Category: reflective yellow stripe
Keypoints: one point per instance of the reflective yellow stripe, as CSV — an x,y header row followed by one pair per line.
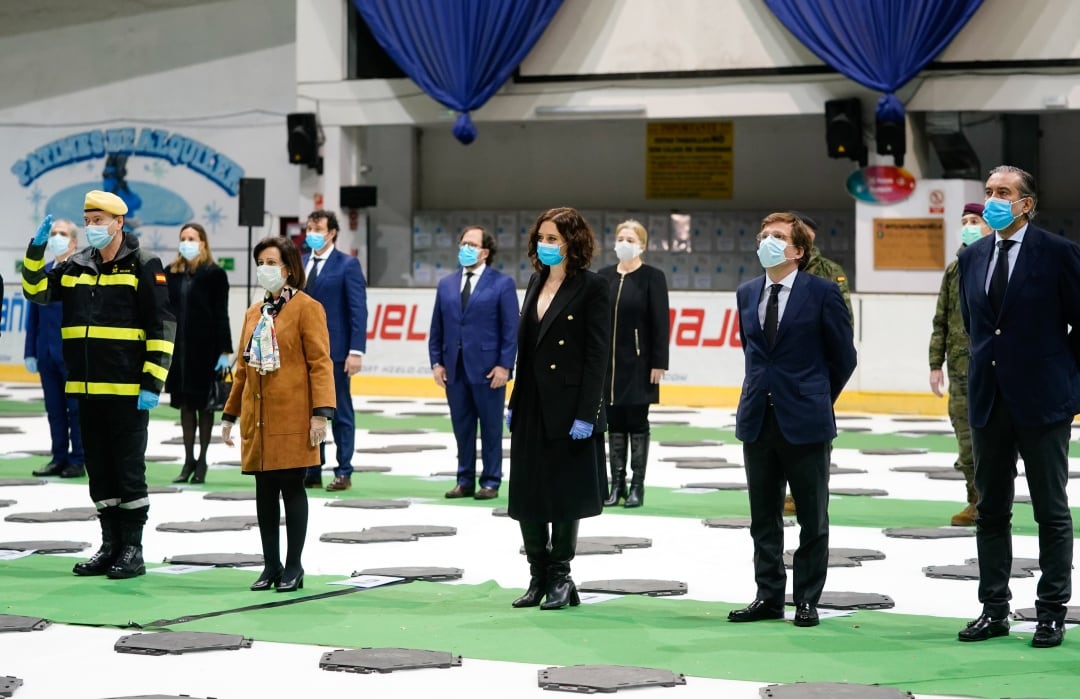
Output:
x,y
158,372
35,289
101,332
159,346
71,280
102,389
119,280
33,265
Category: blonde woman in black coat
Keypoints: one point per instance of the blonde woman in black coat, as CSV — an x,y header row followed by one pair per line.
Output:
x,y
638,360
556,414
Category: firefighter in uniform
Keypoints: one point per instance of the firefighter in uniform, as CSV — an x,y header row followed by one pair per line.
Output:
x,y
117,332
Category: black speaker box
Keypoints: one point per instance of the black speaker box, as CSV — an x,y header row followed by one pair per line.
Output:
x,y
357,197
252,201
303,138
891,139
843,129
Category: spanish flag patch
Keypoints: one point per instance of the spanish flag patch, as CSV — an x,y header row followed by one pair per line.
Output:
x,y
159,277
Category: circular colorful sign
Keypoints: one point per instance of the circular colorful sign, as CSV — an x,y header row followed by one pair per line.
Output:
x,y
881,184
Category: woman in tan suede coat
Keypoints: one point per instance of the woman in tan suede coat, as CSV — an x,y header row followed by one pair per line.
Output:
x,y
283,395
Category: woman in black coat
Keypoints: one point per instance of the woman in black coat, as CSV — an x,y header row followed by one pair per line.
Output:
x,y
639,358
556,413
199,295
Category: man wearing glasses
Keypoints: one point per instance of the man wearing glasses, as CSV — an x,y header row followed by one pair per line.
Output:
x,y
472,345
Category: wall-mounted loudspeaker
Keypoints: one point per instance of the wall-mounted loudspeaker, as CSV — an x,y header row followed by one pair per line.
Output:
x,y
303,139
252,201
843,129
357,197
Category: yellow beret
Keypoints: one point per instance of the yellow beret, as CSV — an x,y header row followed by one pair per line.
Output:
x,y
97,200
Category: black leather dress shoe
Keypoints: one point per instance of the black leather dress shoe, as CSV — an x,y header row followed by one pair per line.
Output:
x,y
291,580
983,628
53,468
806,615
459,491
758,610
73,471
1048,634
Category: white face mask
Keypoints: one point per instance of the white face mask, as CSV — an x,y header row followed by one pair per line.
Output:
x,y
626,251
270,278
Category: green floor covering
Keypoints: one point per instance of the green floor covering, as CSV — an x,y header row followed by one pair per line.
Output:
x,y
913,653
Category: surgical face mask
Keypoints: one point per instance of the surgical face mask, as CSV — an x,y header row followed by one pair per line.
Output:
x,y
998,212
270,278
189,249
549,254
98,236
770,252
969,234
58,244
315,241
626,251
468,255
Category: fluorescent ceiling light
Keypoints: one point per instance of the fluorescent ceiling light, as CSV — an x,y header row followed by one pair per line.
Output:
x,y
590,110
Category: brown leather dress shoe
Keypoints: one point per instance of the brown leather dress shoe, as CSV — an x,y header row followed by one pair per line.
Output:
x,y
789,506
340,483
486,494
459,491
964,518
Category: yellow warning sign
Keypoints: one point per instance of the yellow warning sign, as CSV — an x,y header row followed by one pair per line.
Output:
x,y
689,160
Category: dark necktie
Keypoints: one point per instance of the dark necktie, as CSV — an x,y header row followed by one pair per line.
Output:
x,y
314,273
466,290
772,314
1000,279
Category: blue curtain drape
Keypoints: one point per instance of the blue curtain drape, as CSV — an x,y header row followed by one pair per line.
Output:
x,y
880,44
460,52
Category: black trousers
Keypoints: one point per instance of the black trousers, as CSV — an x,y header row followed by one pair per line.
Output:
x,y
1045,449
114,440
770,462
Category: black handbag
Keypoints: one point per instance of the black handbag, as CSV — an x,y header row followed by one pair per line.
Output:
x,y
220,388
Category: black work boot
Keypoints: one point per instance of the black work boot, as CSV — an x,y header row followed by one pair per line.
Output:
x,y
102,560
639,457
129,563
560,590
617,458
536,539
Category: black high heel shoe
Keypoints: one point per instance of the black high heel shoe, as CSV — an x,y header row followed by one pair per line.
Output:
x,y
185,473
291,581
200,472
267,581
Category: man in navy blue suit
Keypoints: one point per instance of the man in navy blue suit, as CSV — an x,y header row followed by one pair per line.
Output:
x,y
1019,294
799,350
336,280
472,345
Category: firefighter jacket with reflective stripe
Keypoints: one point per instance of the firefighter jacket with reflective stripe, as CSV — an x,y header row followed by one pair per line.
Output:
x,y
117,327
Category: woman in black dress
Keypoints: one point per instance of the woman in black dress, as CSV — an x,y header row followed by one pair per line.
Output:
x,y
639,358
199,295
556,412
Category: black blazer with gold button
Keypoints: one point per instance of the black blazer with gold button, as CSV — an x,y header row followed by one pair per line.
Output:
x,y
566,364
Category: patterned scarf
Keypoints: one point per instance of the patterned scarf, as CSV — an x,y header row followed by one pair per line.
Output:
x,y
262,350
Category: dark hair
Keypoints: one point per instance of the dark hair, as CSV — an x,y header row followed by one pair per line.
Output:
x,y
487,241
580,242
1027,186
800,234
330,216
290,256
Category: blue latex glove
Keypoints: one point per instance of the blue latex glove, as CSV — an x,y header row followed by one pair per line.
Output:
x,y
222,363
509,414
581,430
147,400
31,364
42,235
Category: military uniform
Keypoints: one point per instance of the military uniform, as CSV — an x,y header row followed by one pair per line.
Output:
x,y
823,267
949,344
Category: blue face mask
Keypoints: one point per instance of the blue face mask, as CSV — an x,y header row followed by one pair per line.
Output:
x,y
549,254
189,249
315,241
98,236
969,234
58,244
468,256
998,212
770,252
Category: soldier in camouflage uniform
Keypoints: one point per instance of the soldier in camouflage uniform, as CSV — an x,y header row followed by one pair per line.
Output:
x,y
949,344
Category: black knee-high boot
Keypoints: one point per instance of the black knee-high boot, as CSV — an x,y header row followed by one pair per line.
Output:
x,y
537,540
617,458
639,457
560,590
